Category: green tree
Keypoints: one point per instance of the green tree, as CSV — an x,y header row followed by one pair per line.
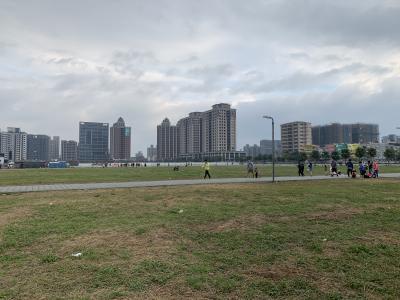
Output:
x,y
325,155
397,155
335,155
303,156
345,153
371,152
315,155
390,154
360,152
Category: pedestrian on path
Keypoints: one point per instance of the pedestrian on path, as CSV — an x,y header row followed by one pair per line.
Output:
x,y
376,169
334,170
206,167
350,168
250,169
300,167
310,167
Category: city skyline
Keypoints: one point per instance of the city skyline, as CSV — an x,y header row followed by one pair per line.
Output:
x,y
321,61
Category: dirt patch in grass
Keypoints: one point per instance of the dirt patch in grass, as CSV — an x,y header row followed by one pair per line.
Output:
x,y
335,214
14,215
160,241
380,237
241,223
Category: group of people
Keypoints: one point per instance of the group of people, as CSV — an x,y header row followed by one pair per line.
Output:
x,y
367,169
252,170
301,166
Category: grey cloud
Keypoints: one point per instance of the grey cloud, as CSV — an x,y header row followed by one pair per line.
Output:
x,y
94,57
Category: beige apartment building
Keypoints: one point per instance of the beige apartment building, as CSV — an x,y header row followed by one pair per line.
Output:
x,y
219,129
295,136
201,134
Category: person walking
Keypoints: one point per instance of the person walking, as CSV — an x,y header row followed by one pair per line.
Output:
x,y
370,167
206,167
300,167
334,170
250,169
362,169
376,169
310,167
350,168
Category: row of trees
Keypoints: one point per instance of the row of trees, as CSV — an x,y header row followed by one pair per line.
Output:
x,y
361,153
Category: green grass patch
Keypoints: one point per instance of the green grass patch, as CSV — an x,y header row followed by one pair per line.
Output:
x,y
85,175
314,240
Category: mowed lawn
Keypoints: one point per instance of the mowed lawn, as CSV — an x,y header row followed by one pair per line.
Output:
x,y
84,175
318,240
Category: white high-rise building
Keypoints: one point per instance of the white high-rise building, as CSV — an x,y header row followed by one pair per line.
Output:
x,y
13,144
54,148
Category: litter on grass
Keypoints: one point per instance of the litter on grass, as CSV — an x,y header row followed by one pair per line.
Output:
x,y
78,254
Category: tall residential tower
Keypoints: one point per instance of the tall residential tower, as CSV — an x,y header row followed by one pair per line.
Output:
x,y
120,141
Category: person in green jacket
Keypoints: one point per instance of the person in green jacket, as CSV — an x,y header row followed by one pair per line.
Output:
x,y
206,167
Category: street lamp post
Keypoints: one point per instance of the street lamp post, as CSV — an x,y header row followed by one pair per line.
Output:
x,y
273,146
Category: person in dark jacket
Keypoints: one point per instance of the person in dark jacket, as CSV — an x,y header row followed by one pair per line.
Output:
x,y
350,168
300,166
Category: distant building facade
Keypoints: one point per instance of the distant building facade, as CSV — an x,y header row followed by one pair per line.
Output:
x,y
93,142
120,140
266,147
219,129
69,151
391,139
252,151
337,133
211,133
54,148
13,144
295,136
167,141
38,147
152,153
140,157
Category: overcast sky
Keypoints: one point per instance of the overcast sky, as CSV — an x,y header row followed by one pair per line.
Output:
x,y
62,62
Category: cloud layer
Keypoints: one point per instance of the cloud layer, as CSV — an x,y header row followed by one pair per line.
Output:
x,y
62,62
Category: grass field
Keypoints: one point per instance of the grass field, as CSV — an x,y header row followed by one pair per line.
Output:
x,y
84,175
317,240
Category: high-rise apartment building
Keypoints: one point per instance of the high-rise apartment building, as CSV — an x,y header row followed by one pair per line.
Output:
x,y
13,144
167,141
151,153
363,133
295,136
69,151
219,129
337,133
202,134
54,148
38,147
93,142
120,140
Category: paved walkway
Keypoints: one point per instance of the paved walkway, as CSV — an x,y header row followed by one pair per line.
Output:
x,y
133,184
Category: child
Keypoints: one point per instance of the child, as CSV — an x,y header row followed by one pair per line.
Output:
x,y
256,172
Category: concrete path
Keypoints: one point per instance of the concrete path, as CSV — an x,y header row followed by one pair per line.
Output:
x,y
133,184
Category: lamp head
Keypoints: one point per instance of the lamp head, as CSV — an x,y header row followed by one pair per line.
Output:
x,y
267,117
